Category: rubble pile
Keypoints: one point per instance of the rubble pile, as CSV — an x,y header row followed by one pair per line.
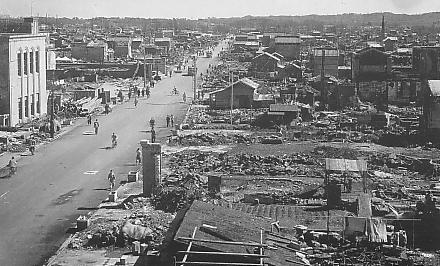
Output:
x,y
244,164
211,138
170,198
138,220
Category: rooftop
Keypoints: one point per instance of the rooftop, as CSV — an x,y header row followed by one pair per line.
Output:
x,y
434,86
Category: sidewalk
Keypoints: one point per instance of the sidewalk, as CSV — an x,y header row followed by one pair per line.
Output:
x,y
6,156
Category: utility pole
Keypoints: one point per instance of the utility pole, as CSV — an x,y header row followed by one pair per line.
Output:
x,y
195,79
52,109
145,71
323,88
231,74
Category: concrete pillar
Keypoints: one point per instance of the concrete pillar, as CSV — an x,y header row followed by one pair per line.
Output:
x,y
150,166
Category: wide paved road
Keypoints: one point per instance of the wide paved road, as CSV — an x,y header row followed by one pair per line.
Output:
x,y
69,175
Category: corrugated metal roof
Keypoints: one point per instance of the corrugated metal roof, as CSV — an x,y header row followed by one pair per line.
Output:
x,y
288,39
345,165
434,86
283,108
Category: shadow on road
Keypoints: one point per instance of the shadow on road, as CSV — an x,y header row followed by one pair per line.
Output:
x,y
100,189
87,208
106,148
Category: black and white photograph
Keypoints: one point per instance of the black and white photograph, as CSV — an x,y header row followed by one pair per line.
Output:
x,y
219,132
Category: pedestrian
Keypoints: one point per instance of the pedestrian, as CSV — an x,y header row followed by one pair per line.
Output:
x,y
129,94
32,146
111,178
168,120
121,97
96,126
143,92
12,165
172,120
153,135
89,119
184,97
139,93
135,101
138,156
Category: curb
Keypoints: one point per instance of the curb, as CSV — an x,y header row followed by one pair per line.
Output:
x,y
62,248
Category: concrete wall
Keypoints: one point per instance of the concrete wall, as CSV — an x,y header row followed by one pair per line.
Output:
x,y
27,92
4,76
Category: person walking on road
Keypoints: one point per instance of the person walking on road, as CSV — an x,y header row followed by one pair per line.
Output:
x,y
153,135
89,119
96,126
135,101
184,97
168,120
172,120
32,146
138,156
111,178
12,165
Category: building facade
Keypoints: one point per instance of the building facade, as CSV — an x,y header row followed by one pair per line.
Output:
x,y
329,58
288,46
22,78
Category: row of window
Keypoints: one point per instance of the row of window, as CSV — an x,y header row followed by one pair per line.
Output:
x,y
28,65
34,106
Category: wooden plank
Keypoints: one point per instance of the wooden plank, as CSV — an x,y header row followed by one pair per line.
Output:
x,y
189,245
223,242
222,253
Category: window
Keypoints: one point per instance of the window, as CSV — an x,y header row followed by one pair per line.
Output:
x,y
20,108
31,62
19,63
25,63
26,106
38,103
37,61
33,105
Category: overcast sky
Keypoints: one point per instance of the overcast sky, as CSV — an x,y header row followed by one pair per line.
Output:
x,y
209,8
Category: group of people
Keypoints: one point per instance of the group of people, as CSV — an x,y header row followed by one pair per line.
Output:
x,y
170,120
95,123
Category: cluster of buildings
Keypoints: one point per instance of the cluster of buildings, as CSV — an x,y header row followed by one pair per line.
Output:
x,y
345,66
36,57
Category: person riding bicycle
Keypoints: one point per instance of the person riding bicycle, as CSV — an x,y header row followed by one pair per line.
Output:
x,y
175,90
114,140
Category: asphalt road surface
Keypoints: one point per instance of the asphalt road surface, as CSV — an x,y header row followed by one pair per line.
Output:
x,y
68,177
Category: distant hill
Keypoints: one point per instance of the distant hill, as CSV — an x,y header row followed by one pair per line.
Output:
x,y
350,19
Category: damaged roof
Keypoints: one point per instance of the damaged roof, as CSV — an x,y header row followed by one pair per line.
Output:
x,y
230,225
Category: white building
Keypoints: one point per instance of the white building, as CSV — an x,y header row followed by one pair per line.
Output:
x,y
22,77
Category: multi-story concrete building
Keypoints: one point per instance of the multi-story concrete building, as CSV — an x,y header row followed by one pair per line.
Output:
x,y
327,58
22,77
